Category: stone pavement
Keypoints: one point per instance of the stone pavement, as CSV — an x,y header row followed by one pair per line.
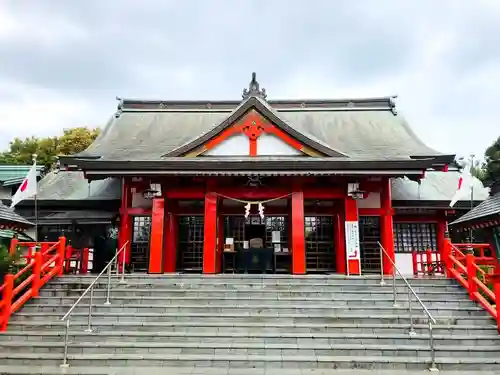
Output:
x,y
28,370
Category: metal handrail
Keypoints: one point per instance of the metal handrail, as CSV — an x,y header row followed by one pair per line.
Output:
x,y
90,289
411,291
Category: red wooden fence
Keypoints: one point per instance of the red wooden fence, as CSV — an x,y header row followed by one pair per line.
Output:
x,y
475,271
44,261
427,263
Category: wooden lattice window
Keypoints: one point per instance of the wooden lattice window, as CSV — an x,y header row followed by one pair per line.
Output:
x,y
277,224
410,237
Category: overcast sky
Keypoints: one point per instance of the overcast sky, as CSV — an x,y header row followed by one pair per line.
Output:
x,y
62,63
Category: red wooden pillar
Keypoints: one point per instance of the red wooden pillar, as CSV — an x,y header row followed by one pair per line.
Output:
x,y
352,248
440,235
298,234
13,246
386,226
125,233
171,226
210,234
220,241
447,250
339,232
156,242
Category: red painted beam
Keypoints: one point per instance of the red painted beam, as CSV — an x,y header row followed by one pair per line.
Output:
x,y
259,193
415,219
137,211
186,193
370,212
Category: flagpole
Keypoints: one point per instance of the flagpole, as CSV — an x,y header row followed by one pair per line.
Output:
x,y
471,193
36,201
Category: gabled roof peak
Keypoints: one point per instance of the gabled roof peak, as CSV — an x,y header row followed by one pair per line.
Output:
x,y
254,89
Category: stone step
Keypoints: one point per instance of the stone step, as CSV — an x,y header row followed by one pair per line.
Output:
x,y
311,348
243,301
248,329
252,337
249,361
57,370
251,293
224,319
332,287
157,311
233,277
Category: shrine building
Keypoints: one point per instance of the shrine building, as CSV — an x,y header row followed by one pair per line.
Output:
x,y
318,183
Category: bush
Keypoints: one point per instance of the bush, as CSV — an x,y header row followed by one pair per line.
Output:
x,y
9,263
12,263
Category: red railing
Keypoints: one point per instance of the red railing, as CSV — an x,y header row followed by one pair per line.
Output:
x,y
40,266
474,270
427,263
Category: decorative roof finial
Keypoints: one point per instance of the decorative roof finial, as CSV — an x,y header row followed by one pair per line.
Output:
x,y
119,108
254,89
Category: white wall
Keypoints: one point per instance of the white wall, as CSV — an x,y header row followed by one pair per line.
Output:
x,y
236,145
372,201
405,264
270,145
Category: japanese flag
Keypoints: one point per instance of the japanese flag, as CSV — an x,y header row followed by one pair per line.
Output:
x,y
464,186
27,188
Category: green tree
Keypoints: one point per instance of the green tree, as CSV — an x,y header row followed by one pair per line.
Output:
x,y
492,163
72,141
478,170
76,140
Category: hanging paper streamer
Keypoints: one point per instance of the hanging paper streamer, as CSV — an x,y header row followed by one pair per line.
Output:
x,y
248,204
261,211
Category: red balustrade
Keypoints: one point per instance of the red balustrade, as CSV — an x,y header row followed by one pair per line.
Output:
x,y
427,263
42,262
470,265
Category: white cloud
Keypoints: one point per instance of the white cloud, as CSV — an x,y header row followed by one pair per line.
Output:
x,y
29,27
41,112
64,62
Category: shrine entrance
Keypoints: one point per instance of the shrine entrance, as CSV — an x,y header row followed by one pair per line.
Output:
x,y
369,237
320,251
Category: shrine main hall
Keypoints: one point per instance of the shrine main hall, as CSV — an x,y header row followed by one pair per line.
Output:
x,y
291,186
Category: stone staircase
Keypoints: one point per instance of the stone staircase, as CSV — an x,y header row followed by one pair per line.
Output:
x,y
252,321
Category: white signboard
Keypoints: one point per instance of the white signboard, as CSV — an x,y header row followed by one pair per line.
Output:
x,y
352,240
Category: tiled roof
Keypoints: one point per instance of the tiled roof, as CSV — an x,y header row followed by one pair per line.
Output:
x,y
369,129
15,174
435,186
74,186
490,207
8,216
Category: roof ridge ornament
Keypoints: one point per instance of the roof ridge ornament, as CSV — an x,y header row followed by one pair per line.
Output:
x,y
392,104
254,89
119,107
